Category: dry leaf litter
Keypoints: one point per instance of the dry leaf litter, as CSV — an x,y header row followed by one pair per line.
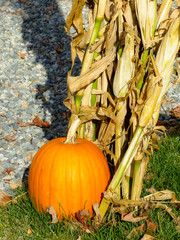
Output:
x,y
35,58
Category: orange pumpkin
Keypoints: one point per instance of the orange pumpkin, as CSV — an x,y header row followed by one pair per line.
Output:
x,y
70,177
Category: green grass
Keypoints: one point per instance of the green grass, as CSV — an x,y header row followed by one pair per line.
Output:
x,y
163,173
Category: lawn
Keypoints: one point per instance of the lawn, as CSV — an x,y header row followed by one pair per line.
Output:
x,y
19,220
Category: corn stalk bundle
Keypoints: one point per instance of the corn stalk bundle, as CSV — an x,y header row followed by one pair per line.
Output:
x,y
127,54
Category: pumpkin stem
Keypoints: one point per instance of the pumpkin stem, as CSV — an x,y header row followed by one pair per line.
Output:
x,y
72,132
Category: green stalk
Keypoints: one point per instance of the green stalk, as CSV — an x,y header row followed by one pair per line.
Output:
x,y
93,102
89,57
96,29
144,57
137,164
118,176
126,160
95,83
118,128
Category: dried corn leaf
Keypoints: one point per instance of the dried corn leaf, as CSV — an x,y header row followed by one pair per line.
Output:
x,y
52,212
75,16
128,15
161,196
108,134
136,231
163,11
77,83
130,218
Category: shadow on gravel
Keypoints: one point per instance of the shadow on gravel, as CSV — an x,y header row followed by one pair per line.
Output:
x,y
43,31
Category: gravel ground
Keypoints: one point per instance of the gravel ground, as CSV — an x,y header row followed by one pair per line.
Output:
x,y
34,60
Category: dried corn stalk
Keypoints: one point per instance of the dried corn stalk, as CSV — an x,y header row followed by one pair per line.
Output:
x,y
127,56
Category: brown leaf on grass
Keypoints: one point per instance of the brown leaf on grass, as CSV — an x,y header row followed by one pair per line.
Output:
x,y
151,190
7,199
151,227
14,185
52,212
178,225
161,195
130,218
136,231
22,56
29,231
147,237
82,215
4,198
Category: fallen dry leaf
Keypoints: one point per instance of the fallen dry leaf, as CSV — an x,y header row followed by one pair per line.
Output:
x,y
29,231
14,185
5,171
3,115
29,158
130,218
147,237
52,212
9,138
151,190
25,105
8,170
22,56
4,198
151,227
50,8
36,122
96,209
57,49
178,224
39,123
18,12
82,215
175,112
136,231
48,16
